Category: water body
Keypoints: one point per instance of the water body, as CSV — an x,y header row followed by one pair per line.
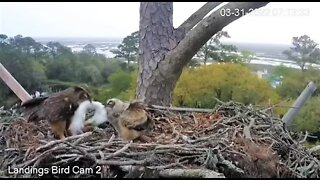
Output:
x,y
265,54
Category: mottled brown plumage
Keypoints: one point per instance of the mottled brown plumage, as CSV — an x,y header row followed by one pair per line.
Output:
x,y
57,108
129,119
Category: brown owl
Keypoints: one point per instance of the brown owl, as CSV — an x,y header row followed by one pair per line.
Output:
x,y
57,109
129,119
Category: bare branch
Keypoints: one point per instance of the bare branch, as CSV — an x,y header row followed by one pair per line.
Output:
x,y
197,16
199,35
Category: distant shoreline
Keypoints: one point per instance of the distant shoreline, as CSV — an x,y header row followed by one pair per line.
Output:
x,y
266,53
119,39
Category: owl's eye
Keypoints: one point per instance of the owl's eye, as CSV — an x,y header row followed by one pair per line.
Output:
x,y
110,103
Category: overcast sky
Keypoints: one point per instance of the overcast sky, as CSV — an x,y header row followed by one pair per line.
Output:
x,y
119,19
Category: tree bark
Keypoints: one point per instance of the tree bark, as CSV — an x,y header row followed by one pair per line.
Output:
x,y
196,17
164,51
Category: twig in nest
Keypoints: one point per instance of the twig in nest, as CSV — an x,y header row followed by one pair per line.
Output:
x,y
190,173
218,122
119,151
183,109
101,154
246,129
104,171
38,157
229,164
63,140
111,138
27,154
221,134
174,131
305,138
196,123
167,166
84,152
122,163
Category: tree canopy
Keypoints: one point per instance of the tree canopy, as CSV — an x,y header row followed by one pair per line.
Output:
x,y
304,51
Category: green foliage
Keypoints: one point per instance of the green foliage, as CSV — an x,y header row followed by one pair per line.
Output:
x,y
102,93
129,47
90,49
60,68
209,49
122,85
198,87
119,81
309,145
247,55
294,82
21,57
194,62
38,67
130,93
304,51
19,61
112,66
282,108
308,116
219,52
282,71
91,74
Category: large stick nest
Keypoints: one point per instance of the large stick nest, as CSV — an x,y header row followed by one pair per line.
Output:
x,y
232,141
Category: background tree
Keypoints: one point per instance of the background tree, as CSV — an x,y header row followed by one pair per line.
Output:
x,y
220,52
199,87
128,49
212,48
304,51
165,50
54,66
20,57
308,118
89,48
247,55
295,81
119,84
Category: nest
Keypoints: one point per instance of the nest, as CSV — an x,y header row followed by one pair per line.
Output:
x,y
231,141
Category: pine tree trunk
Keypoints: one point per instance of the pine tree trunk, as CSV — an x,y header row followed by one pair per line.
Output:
x,y
164,50
156,38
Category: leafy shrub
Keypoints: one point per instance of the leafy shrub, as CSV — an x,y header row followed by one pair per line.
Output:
x,y
199,86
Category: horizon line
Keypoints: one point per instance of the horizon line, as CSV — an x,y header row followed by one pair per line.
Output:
x,y
106,37
121,38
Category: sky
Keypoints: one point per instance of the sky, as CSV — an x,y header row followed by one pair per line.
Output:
x,y
275,23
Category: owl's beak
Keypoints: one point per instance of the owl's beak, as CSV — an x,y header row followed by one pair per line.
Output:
x,y
88,97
